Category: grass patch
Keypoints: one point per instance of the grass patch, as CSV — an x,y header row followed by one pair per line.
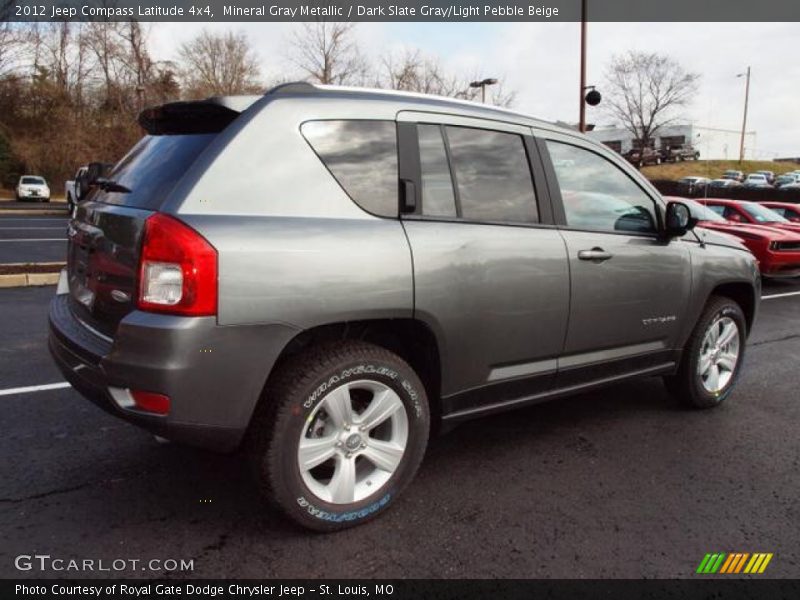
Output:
x,y
713,169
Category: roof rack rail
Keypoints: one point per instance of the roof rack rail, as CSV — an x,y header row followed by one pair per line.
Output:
x,y
292,87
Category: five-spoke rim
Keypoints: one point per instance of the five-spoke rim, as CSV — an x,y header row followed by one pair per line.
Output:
x,y
719,354
353,442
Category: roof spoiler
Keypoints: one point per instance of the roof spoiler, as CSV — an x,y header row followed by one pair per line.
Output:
x,y
175,118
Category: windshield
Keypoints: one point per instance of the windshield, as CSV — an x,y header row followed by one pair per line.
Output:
x,y
702,213
756,177
32,181
762,214
152,168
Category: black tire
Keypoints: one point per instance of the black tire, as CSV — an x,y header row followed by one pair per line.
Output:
x,y
687,384
285,411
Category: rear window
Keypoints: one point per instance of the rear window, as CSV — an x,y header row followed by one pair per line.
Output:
x,y
152,168
362,156
32,181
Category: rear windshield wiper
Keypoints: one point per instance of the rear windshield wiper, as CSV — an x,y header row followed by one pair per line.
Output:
x,y
108,185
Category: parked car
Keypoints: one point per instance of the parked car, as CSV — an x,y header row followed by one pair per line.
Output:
x,y
724,183
786,179
770,175
777,250
257,289
680,153
749,212
641,157
735,175
71,189
693,186
32,187
787,210
756,180
86,177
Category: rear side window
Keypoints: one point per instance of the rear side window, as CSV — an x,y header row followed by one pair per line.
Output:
x,y
438,199
492,175
362,156
152,168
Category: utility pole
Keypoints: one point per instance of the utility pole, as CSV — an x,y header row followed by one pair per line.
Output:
x,y
744,119
582,120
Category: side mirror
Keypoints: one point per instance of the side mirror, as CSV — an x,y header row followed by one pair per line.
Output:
x,y
678,220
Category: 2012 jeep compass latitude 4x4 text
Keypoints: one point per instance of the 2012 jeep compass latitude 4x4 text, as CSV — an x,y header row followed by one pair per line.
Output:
x,y
323,276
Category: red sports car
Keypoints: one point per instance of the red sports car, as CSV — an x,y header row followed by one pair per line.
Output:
x,y
785,209
754,213
777,250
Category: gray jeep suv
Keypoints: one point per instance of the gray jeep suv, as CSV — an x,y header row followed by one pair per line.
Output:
x,y
323,276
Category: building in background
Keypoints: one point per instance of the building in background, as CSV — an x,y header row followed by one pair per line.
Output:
x,y
711,142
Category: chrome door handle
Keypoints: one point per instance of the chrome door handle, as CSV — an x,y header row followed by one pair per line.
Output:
x,y
597,254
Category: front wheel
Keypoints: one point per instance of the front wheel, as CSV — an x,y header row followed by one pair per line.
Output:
x,y
713,356
340,431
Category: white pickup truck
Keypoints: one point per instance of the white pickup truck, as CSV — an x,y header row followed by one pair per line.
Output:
x,y
71,191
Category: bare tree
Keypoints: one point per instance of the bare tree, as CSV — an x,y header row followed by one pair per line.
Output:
x,y
412,71
11,47
219,64
644,91
327,53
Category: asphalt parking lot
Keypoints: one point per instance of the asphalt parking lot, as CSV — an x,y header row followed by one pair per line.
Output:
x,y
32,238
616,483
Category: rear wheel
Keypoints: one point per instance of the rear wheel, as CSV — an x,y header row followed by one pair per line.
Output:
x,y
339,433
713,356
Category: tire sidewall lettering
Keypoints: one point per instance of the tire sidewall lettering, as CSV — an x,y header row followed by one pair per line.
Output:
x,y
365,369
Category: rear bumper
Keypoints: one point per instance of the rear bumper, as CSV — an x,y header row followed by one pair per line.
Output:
x,y
213,375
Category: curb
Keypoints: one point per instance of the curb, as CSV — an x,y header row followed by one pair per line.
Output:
x,y
29,212
28,279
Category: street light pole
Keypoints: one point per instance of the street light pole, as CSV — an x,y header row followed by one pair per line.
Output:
x,y
482,84
582,119
744,119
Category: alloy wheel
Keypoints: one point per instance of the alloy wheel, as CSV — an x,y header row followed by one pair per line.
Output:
x,y
353,442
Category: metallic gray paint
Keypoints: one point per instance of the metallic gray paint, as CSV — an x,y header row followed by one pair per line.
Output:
x,y
517,316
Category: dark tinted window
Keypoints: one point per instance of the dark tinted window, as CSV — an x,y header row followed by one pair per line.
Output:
x,y
597,195
32,181
437,186
152,168
720,210
492,174
362,156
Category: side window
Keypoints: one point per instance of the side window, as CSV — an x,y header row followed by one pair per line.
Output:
x,y
438,199
732,214
492,175
362,156
597,195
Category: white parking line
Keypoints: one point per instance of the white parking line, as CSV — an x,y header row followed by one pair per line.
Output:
x,y
771,296
34,388
37,240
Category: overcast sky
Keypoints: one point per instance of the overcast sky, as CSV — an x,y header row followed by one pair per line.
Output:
x,y
540,62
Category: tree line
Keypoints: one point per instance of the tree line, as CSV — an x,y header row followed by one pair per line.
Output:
x,y
70,92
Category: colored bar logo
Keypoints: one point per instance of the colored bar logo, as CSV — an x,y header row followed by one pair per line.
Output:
x,y
735,562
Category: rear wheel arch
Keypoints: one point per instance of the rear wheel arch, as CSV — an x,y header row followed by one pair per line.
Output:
x,y
410,339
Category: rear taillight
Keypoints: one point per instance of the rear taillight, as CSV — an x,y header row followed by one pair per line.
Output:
x,y
177,269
